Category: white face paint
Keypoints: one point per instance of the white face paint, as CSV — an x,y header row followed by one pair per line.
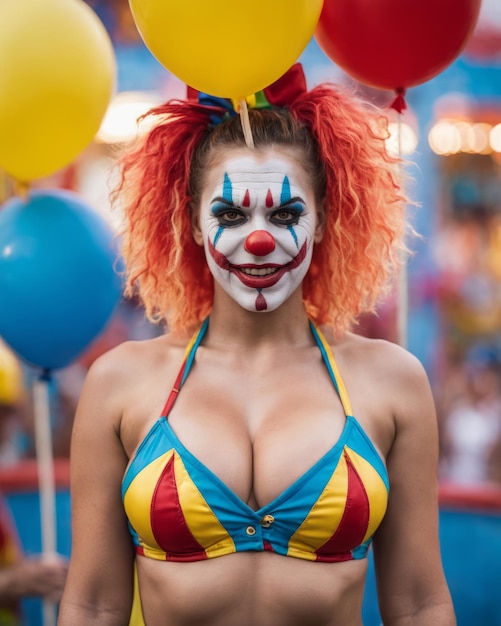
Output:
x,y
257,224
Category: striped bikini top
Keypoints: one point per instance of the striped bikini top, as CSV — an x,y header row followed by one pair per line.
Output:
x,y
179,510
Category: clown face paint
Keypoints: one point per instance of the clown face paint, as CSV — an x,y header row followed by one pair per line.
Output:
x,y
257,224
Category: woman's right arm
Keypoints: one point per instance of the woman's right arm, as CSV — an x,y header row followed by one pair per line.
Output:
x,y
100,578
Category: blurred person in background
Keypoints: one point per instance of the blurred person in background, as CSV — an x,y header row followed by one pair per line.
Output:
x,y
20,576
471,421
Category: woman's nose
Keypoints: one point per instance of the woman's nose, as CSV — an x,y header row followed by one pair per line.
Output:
x,y
260,243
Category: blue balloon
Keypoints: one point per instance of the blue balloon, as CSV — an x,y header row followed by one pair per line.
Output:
x,y
58,285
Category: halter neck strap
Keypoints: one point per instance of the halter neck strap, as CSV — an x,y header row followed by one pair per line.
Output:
x,y
189,356
332,368
324,347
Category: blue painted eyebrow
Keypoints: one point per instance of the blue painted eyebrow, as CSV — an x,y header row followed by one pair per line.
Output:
x,y
219,204
295,203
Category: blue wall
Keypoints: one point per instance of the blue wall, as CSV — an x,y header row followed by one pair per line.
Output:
x,y
471,553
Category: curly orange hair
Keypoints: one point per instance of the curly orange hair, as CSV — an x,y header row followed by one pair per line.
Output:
x,y
343,142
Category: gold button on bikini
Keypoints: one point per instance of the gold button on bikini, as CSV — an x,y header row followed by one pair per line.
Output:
x,y
267,521
250,530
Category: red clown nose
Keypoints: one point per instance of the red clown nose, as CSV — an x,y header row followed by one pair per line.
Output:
x,y
260,243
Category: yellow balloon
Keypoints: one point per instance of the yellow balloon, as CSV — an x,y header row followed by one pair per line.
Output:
x,y
228,48
57,76
11,376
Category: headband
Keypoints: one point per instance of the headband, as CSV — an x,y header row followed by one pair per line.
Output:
x,y
282,93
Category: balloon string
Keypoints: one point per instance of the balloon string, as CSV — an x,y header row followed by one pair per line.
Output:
x,y
399,103
246,127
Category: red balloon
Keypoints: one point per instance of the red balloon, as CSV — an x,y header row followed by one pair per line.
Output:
x,y
395,44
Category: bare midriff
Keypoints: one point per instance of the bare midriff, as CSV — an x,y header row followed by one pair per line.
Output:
x,y
251,589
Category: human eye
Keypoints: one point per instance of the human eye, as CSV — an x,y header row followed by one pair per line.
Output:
x,y
231,217
286,216
227,215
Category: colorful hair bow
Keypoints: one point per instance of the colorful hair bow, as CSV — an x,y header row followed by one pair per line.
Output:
x,y
282,93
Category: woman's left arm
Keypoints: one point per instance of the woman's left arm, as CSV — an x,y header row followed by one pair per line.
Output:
x,y
412,589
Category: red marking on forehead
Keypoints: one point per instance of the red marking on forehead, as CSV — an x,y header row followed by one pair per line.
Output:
x,y
269,199
246,200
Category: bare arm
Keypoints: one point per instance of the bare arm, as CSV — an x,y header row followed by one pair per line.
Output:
x,y
33,577
100,578
411,585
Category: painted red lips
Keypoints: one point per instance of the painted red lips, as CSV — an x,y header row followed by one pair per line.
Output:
x,y
257,281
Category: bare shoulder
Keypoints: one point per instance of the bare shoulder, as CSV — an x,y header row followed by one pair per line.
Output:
x,y
385,382
123,363
382,360
129,372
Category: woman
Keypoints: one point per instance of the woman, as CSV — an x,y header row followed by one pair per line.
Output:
x,y
253,500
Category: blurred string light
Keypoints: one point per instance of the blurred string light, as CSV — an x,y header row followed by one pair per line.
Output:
x,y
402,130
495,138
448,137
121,122
402,139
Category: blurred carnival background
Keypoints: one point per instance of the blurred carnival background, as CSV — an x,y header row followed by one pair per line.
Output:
x,y
60,303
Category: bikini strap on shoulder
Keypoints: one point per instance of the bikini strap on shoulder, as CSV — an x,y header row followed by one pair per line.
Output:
x,y
332,368
189,356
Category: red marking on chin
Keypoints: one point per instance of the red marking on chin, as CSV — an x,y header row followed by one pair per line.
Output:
x,y
246,200
261,302
269,199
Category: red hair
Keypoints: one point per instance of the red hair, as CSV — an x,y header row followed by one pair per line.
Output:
x,y
343,142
